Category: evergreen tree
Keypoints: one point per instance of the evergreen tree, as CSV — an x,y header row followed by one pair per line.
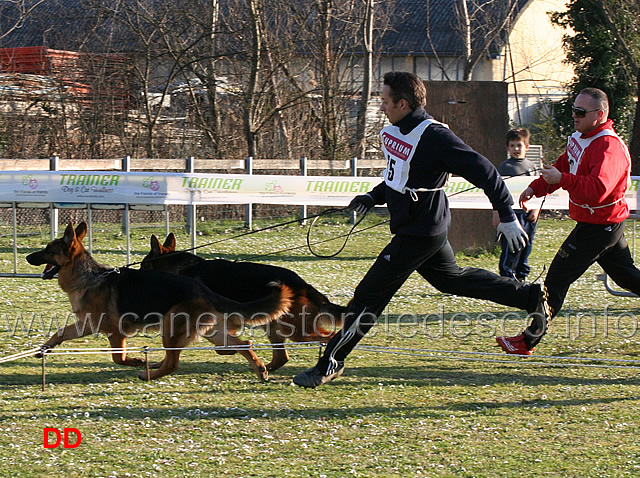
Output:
x,y
604,48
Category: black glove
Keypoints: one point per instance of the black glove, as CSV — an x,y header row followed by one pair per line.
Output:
x,y
361,203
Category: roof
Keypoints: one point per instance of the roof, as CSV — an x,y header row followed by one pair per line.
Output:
x,y
417,17
54,22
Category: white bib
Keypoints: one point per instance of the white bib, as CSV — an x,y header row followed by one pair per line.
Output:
x,y
575,150
576,146
398,151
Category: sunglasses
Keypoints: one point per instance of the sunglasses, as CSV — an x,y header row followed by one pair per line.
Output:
x,y
581,112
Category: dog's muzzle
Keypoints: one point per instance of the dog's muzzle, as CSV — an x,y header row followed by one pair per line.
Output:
x,y
50,271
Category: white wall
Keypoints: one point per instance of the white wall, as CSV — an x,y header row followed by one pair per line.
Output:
x,y
533,62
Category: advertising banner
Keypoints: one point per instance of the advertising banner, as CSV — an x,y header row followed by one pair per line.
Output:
x,y
115,187
83,187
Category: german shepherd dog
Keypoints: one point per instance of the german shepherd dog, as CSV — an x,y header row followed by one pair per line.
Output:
x,y
122,302
311,316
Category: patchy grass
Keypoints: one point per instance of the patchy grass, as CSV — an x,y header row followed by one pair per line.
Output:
x,y
443,407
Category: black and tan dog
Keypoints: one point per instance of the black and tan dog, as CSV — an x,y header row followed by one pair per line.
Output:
x,y
311,317
122,302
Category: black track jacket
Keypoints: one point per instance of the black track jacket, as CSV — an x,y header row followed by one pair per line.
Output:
x,y
439,152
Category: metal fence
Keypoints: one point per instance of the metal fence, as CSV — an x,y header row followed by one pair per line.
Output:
x,y
40,216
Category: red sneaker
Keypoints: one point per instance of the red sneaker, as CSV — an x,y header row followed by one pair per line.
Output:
x,y
514,345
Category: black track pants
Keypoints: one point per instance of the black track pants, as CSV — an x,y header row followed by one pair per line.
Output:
x,y
433,259
586,244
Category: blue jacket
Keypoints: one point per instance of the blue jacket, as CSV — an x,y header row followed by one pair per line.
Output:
x,y
438,153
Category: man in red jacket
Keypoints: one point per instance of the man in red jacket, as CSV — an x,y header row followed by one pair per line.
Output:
x,y
594,170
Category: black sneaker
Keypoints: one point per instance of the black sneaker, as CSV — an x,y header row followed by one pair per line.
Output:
x,y
315,377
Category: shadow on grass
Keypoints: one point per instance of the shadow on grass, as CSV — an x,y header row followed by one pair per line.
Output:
x,y
442,375
331,412
402,410
432,374
106,372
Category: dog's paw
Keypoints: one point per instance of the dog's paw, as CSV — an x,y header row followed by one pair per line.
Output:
x,y
263,374
43,351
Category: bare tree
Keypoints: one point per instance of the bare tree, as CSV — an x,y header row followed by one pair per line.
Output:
x,y
264,68
14,13
327,76
195,52
279,105
198,58
140,27
367,78
479,25
332,40
212,126
238,75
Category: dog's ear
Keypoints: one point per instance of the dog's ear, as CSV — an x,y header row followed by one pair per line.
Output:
x,y
170,242
81,230
69,234
155,245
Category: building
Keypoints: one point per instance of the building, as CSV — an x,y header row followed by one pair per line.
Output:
x,y
526,51
509,40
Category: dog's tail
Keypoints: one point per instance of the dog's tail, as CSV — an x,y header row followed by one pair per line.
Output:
x,y
330,316
264,310
330,322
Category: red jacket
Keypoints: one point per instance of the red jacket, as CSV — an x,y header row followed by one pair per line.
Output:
x,y
601,179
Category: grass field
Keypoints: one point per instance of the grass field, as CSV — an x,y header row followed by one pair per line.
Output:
x,y
447,405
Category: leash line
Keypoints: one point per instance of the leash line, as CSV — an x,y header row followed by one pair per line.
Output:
x,y
255,231
267,228
344,244
315,243
351,232
486,357
315,217
309,244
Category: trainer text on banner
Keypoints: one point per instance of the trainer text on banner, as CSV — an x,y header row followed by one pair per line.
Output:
x,y
192,188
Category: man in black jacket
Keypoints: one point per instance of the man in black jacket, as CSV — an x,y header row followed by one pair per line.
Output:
x,y
420,154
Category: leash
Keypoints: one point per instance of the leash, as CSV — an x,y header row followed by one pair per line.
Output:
x,y
517,256
347,235
344,244
315,218
351,231
255,231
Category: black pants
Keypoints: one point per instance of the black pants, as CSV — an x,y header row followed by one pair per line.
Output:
x,y
586,244
433,259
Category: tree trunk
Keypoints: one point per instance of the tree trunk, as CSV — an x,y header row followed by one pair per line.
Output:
x,y
213,130
251,97
465,26
328,120
285,141
367,73
634,146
